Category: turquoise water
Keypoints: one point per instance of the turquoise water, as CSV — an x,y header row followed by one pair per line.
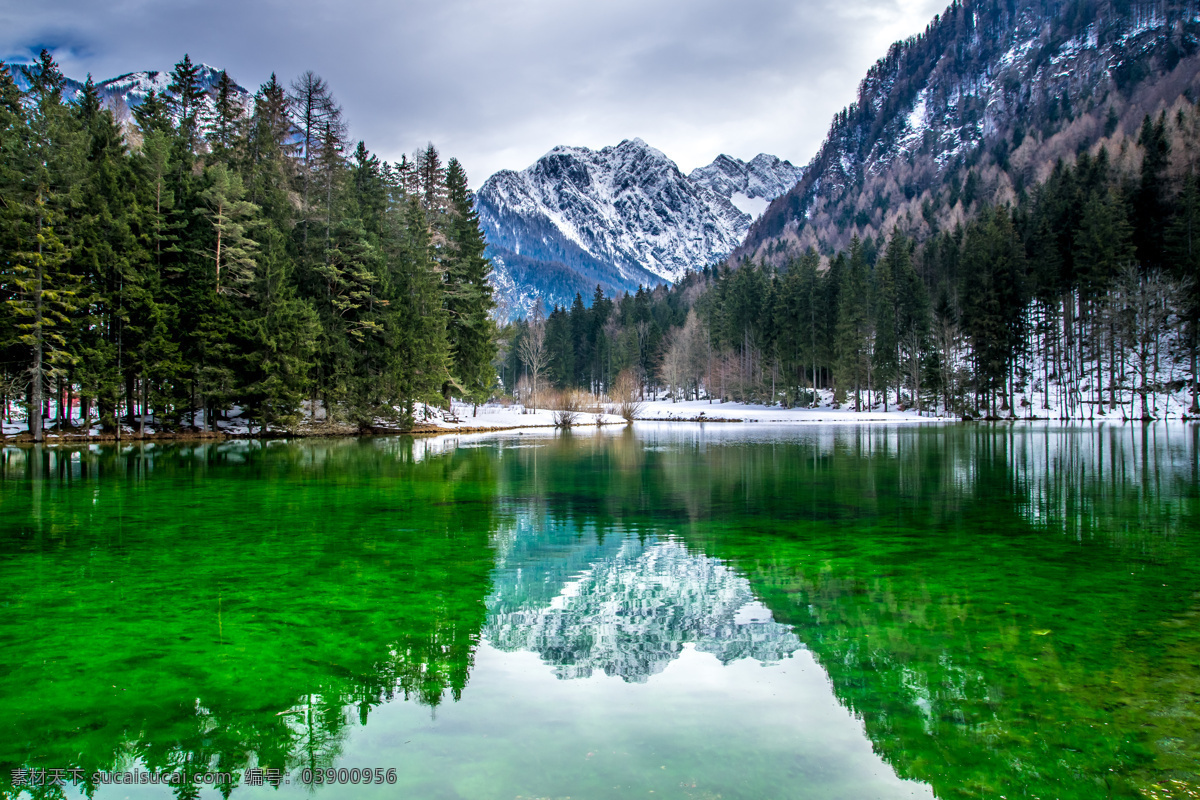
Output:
x,y
673,611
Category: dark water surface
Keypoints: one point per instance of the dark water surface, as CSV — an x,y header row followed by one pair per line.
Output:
x,y
668,612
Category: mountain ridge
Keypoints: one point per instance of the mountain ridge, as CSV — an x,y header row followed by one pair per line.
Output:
x,y
620,217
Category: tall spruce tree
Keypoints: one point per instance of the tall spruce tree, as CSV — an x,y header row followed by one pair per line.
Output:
x,y
886,366
470,329
227,128
852,334
186,95
44,288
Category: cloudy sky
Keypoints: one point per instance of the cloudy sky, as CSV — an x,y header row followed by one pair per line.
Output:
x,y
497,83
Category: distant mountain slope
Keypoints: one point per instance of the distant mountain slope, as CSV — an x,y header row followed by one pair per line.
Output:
x,y
977,109
126,92
619,217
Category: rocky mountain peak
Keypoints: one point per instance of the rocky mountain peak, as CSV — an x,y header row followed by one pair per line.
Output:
x,y
618,217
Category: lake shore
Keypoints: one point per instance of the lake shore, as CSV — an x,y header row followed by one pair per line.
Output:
x,y
496,417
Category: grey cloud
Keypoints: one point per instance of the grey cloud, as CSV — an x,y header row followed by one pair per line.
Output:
x,y
497,84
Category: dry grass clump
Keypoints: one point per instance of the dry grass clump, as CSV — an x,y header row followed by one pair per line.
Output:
x,y
567,405
627,393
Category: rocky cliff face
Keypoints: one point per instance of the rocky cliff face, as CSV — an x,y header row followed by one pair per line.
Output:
x,y
619,217
977,109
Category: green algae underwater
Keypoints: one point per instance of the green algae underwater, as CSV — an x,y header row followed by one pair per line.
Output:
x,y
666,611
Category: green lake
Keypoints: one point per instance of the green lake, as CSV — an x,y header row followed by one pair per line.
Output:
x,y
674,611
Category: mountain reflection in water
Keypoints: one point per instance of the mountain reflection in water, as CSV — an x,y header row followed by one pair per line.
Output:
x,y
630,611
834,612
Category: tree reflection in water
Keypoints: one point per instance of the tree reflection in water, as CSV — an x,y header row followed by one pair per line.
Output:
x,y
1007,610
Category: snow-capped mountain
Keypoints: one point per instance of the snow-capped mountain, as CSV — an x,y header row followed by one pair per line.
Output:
x,y
126,92
619,217
978,108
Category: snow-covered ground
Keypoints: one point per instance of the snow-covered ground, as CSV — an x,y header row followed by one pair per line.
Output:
x,y
496,415
695,410
488,416
511,416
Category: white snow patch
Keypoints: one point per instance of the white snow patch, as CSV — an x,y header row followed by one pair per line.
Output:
x,y
754,206
665,410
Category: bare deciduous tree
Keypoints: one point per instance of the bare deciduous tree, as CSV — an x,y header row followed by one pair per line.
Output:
x,y
532,349
317,116
1144,303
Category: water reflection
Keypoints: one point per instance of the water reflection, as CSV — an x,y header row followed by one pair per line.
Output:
x,y
629,610
1001,610
216,607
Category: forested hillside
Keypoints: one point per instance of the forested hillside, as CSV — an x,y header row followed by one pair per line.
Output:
x,y
977,110
208,255
1079,300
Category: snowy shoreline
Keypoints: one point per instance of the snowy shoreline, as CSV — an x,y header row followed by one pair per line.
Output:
x,y
496,417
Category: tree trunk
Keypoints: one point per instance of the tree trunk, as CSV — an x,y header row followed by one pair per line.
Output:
x,y
1195,409
130,398
1112,367
35,397
145,400
1145,356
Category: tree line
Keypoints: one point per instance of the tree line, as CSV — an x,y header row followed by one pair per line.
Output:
x,y
1078,299
206,254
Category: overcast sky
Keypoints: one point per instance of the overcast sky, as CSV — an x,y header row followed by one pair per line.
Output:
x,y
497,83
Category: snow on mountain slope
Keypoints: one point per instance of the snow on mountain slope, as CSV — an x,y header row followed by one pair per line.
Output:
x,y
621,217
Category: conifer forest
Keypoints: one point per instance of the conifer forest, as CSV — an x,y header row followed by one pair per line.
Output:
x,y
208,255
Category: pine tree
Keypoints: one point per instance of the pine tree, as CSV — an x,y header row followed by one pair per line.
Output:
x,y
1183,250
153,114
317,117
270,148
418,328
852,326
282,334
43,287
232,250
185,98
885,366
827,340
13,159
431,177
226,130
406,176
912,319
111,224
470,328
1150,198
994,300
